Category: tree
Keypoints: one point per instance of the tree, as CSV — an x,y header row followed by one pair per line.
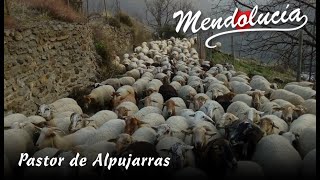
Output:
x,y
159,13
280,46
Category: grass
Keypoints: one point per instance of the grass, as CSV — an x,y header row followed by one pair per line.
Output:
x,y
57,9
252,67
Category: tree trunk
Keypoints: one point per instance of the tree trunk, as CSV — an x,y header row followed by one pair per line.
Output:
x,y
105,6
232,49
299,57
7,7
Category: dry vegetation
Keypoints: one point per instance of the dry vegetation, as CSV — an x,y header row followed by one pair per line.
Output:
x,y
108,44
56,8
23,12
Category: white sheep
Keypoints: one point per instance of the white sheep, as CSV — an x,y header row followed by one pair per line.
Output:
x,y
186,92
196,117
173,106
96,120
302,83
239,87
198,100
202,133
220,87
304,92
303,122
213,109
145,111
307,140
100,96
197,85
153,119
153,86
12,118
277,157
133,73
243,112
114,82
311,106
109,130
140,86
155,99
278,124
16,141
176,85
126,108
179,152
239,79
261,84
61,121
61,105
127,81
49,135
287,95
145,134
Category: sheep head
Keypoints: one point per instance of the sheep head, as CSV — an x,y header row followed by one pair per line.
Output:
x,y
162,130
45,111
88,100
77,121
199,136
253,115
122,112
267,125
123,141
132,124
46,138
171,107
226,120
256,98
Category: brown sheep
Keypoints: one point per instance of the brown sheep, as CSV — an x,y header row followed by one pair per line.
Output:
x,y
267,125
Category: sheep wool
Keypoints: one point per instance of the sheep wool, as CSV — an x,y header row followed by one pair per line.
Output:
x,y
277,157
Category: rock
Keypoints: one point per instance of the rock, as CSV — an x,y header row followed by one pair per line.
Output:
x,y
27,33
18,36
60,38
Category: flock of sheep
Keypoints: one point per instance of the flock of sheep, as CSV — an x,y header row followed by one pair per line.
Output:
x,y
211,120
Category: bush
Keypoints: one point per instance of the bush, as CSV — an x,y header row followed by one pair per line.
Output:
x,y
114,22
124,18
169,31
57,9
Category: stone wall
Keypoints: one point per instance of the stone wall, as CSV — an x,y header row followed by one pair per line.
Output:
x,y
44,61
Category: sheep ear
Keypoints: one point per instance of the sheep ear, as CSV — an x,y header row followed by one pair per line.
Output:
x,y
210,133
260,112
249,92
165,150
177,105
192,115
85,116
37,127
155,127
262,93
273,125
187,132
188,147
113,140
277,108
